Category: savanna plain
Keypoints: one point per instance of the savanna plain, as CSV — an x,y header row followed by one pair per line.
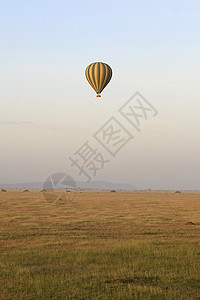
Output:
x,y
100,245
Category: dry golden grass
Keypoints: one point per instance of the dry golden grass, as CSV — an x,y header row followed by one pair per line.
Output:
x,y
103,245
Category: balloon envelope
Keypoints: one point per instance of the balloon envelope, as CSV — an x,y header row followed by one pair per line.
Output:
x,y
98,75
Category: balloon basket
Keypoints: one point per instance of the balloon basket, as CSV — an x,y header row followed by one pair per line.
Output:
x,y
98,95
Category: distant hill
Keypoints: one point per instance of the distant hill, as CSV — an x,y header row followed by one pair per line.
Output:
x,y
104,185
100,185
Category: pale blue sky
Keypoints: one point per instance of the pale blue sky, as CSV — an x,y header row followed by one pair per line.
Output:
x,y
152,46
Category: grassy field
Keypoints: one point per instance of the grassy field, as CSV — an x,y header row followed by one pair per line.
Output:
x,y
123,245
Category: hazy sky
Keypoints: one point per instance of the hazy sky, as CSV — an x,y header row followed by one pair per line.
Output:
x,y
48,110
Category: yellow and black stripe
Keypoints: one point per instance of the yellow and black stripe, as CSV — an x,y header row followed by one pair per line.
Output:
x,y
98,75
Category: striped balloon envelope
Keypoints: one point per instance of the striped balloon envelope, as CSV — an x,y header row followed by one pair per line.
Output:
x,y
98,75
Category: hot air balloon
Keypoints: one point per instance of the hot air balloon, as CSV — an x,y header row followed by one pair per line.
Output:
x,y
98,75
